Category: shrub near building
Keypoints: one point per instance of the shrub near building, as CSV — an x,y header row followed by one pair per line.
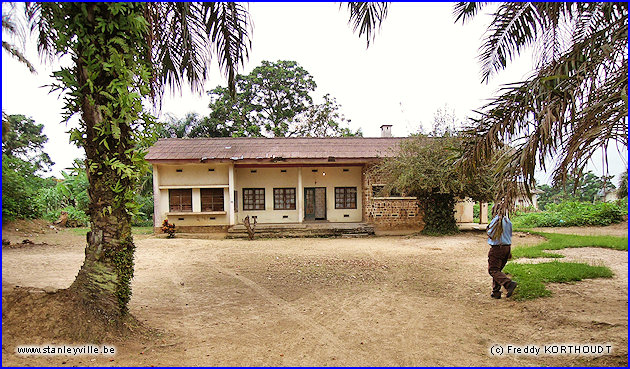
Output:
x,y
573,213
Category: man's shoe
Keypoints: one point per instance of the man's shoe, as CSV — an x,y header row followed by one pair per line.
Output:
x,y
510,287
496,295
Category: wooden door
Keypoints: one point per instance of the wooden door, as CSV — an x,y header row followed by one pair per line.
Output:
x,y
320,203
315,203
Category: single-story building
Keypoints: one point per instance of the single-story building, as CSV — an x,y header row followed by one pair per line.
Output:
x,y
523,202
207,184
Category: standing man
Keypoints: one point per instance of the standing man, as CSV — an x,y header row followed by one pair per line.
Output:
x,y
500,240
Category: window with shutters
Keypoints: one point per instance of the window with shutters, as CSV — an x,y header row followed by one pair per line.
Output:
x,y
180,200
211,199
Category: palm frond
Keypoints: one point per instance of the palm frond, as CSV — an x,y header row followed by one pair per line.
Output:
x,y
515,26
39,17
229,27
184,36
18,55
14,31
574,104
367,18
467,10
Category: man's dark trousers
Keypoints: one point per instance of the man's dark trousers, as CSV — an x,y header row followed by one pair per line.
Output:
x,y
497,258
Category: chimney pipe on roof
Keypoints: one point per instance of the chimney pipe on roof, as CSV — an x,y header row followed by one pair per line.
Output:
x,y
386,130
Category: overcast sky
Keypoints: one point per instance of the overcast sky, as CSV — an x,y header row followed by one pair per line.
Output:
x,y
420,61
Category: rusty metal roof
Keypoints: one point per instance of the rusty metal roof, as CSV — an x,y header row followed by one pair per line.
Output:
x,y
241,148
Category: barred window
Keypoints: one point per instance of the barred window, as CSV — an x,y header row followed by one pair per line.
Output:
x,y
379,191
345,197
211,199
253,199
180,200
284,198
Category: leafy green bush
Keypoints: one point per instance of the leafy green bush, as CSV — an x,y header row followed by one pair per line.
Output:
x,y
76,217
573,213
144,217
50,199
20,185
438,215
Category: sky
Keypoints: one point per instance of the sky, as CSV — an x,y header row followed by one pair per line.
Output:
x,y
420,61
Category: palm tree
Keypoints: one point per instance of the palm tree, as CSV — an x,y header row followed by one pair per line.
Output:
x,y
122,52
574,103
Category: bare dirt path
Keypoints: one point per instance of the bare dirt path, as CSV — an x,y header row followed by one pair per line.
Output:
x,y
390,301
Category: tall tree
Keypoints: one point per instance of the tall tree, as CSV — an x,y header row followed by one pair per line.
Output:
x,y
275,100
23,159
424,167
575,102
323,120
278,92
121,53
24,140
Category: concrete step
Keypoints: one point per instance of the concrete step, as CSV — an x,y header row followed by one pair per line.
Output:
x,y
292,230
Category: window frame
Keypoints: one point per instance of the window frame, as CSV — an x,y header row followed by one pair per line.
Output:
x,y
255,206
179,208
345,200
389,195
214,202
285,198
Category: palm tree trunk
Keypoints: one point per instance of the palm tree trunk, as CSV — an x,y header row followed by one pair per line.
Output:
x,y
104,281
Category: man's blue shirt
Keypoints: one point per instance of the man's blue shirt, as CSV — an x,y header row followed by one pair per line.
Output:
x,y
506,235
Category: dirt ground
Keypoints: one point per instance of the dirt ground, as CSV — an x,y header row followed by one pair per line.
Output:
x,y
386,301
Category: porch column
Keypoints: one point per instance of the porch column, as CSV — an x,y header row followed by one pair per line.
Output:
x,y
300,197
483,213
231,194
157,222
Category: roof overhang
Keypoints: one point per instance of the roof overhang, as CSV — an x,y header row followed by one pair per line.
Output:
x,y
275,162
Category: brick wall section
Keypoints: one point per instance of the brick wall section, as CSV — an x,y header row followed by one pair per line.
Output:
x,y
388,213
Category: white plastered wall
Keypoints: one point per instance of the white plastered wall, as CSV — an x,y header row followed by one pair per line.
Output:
x,y
194,176
270,178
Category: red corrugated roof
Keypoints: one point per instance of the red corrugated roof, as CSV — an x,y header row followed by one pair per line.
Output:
x,y
287,148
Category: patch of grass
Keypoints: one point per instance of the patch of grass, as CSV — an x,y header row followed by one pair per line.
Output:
x,y
82,231
142,230
557,241
531,278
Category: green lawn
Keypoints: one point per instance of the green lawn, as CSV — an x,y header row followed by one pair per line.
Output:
x,y
531,278
557,241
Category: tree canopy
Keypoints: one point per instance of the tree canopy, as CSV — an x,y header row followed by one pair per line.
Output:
x,y
24,140
23,158
274,100
425,167
584,187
